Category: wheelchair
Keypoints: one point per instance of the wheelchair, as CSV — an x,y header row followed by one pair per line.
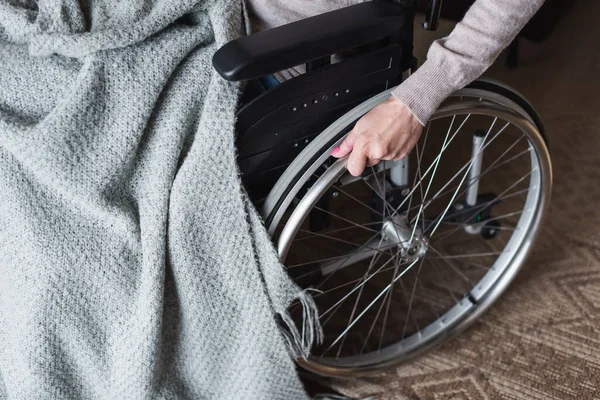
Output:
x,y
411,252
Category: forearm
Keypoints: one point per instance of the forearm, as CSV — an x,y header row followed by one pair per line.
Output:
x,y
458,59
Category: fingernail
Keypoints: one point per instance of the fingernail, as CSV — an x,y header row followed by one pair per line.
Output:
x,y
335,151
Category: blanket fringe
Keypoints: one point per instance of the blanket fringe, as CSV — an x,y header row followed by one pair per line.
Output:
x,y
301,341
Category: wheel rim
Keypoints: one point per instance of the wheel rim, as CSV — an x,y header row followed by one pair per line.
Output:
x,y
477,297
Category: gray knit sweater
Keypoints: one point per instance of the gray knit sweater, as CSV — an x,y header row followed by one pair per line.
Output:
x,y
452,62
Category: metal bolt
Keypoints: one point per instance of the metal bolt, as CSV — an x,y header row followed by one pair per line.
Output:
x,y
336,94
304,105
347,91
458,206
294,108
305,140
425,25
335,194
315,101
295,144
405,191
325,97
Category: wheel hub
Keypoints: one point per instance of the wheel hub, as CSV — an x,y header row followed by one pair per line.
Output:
x,y
412,245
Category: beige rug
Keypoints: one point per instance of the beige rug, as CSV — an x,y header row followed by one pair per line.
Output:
x,y
541,340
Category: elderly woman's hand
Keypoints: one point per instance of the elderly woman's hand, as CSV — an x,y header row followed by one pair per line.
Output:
x,y
387,132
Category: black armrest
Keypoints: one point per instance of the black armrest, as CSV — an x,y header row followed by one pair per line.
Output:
x,y
296,43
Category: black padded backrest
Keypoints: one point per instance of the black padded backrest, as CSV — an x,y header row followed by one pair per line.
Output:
x,y
274,127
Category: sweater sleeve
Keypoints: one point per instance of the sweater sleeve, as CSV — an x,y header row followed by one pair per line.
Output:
x,y
458,59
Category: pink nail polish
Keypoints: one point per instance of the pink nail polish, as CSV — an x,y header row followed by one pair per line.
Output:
x,y
335,151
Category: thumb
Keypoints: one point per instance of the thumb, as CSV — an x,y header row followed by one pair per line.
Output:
x,y
346,146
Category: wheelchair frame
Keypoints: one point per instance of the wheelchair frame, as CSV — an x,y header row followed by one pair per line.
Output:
x,y
278,155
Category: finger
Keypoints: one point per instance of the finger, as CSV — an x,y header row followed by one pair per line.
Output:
x,y
357,161
346,146
372,162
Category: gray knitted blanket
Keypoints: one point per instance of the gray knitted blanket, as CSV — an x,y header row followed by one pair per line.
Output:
x,y
132,264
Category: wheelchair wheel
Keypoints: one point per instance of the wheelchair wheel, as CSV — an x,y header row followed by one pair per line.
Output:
x,y
411,252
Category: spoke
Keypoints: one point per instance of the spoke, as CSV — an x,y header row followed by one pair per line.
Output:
x,y
422,195
454,268
507,151
359,285
437,163
430,306
412,297
505,228
420,156
369,306
508,215
374,175
336,231
382,197
355,288
357,200
393,224
443,235
384,192
356,301
388,300
346,259
493,167
322,235
479,150
489,202
321,293
468,165
488,254
478,209
418,171
442,279
414,182
478,266
343,219
395,267
462,224
345,256
362,349
488,170
434,161
378,254
349,283
439,158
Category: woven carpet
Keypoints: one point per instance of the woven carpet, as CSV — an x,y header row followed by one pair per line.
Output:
x,y
541,340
